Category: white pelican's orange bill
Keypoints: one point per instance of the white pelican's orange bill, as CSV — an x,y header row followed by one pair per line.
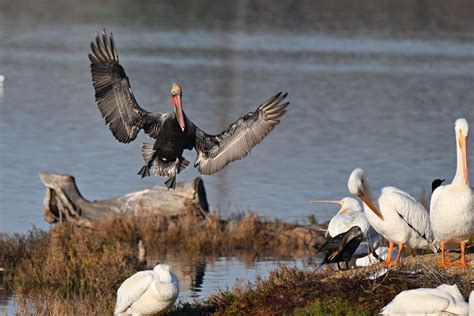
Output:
x,y
463,145
369,203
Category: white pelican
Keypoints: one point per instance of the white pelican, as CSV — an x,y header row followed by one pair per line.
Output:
x,y
444,299
471,304
452,210
147,292
350,214
394,214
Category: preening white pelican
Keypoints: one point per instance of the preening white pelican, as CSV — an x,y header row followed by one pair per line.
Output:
x,y
147,292
444,299
394,214
451,208
350,214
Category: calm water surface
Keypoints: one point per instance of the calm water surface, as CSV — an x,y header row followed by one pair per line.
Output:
x,y
371,85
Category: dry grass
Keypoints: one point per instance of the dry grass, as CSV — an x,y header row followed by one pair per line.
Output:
x,y
211,236
78,266
73,270
309,292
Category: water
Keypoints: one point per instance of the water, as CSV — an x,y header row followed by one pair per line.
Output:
x,y
372,85
197,278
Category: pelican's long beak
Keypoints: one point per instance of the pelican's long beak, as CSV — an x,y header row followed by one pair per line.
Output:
x,y
326,201
369,203
463,145
176,99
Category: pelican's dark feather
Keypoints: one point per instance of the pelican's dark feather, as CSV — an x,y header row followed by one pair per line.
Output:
x,y
114,94
216,151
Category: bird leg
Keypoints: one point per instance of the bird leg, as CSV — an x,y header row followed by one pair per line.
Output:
x,y
397,259
171,182
462,263
388,260
444,263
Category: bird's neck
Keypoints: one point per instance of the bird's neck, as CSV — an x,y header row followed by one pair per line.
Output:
x,y
459,176
373,196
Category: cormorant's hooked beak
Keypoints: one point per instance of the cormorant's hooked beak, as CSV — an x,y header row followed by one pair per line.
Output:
x,y
463,145
176,99
369,203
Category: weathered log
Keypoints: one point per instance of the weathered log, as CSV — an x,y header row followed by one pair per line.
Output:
x,y
64,202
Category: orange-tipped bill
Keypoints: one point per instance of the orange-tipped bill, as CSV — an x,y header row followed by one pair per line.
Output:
x,y
369,203
179,110
463,146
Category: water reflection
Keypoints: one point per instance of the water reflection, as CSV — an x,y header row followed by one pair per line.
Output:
x,y
7,301
198,277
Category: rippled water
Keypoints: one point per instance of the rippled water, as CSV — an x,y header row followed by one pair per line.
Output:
x,y
372,85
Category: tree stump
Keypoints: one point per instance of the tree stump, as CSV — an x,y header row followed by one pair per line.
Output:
x,y
64,203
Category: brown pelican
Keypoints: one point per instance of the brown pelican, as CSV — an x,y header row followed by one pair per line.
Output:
x,y
173,132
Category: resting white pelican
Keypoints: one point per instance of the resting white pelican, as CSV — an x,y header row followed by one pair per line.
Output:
x,y
394,214
147,292
471,304
452,210
350,214
444,299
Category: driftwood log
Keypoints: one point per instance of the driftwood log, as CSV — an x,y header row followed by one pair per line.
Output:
x,y
63,201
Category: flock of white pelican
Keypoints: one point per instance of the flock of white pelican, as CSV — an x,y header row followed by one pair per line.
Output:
x,y
402,220
390,212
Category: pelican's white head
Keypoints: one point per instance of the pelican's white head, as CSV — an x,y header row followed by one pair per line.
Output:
x,y
461,125
462,129
349,204
356,181
358,185
163,272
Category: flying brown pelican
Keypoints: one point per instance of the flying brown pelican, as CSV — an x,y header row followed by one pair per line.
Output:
x,y
173,132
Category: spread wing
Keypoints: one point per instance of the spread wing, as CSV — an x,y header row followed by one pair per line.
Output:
x,y
131,290
214,152
114,95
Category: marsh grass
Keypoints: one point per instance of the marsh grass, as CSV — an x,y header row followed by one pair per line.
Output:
x,y
290,290
84,267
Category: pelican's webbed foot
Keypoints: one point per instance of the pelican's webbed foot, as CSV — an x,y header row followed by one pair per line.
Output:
x,y
171,183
